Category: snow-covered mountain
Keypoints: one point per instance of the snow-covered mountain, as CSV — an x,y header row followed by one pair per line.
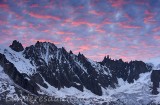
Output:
x,y
45,70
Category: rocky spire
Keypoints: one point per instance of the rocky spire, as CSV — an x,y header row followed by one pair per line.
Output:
x,y
70,52
16,46
106,58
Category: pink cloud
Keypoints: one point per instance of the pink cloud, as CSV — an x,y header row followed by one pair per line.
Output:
x,y
100,30
3,22
97,13
4,6
156,29
46,31
133,47
34,6
157,37
81,22
64,33
33,26
82,48
142,2
14,14
149,17
107,21
40,16
19,27
117,3
79,39
67,39
124,25
7,32
128,17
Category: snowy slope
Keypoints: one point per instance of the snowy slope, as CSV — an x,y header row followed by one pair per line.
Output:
x,y
136,93
99,68
23,65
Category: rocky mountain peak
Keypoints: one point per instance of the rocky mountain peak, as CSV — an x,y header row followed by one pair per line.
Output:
x,y
44,44
70,52
64,50
16,46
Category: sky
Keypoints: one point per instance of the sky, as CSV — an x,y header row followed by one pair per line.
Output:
x,y
127,29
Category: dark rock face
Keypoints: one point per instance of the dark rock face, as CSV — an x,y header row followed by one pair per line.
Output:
x,y
155,78
16,46
17,77
62,69
127,71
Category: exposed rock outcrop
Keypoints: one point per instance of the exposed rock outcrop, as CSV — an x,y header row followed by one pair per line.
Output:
x,y
127,71
155,78
16,46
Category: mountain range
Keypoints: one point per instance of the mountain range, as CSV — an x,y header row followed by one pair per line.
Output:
x,y
44,69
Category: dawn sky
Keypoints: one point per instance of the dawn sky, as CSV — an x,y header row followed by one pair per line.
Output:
x,y
127,29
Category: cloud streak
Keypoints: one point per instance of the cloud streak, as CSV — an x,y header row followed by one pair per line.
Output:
x,y
39,16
